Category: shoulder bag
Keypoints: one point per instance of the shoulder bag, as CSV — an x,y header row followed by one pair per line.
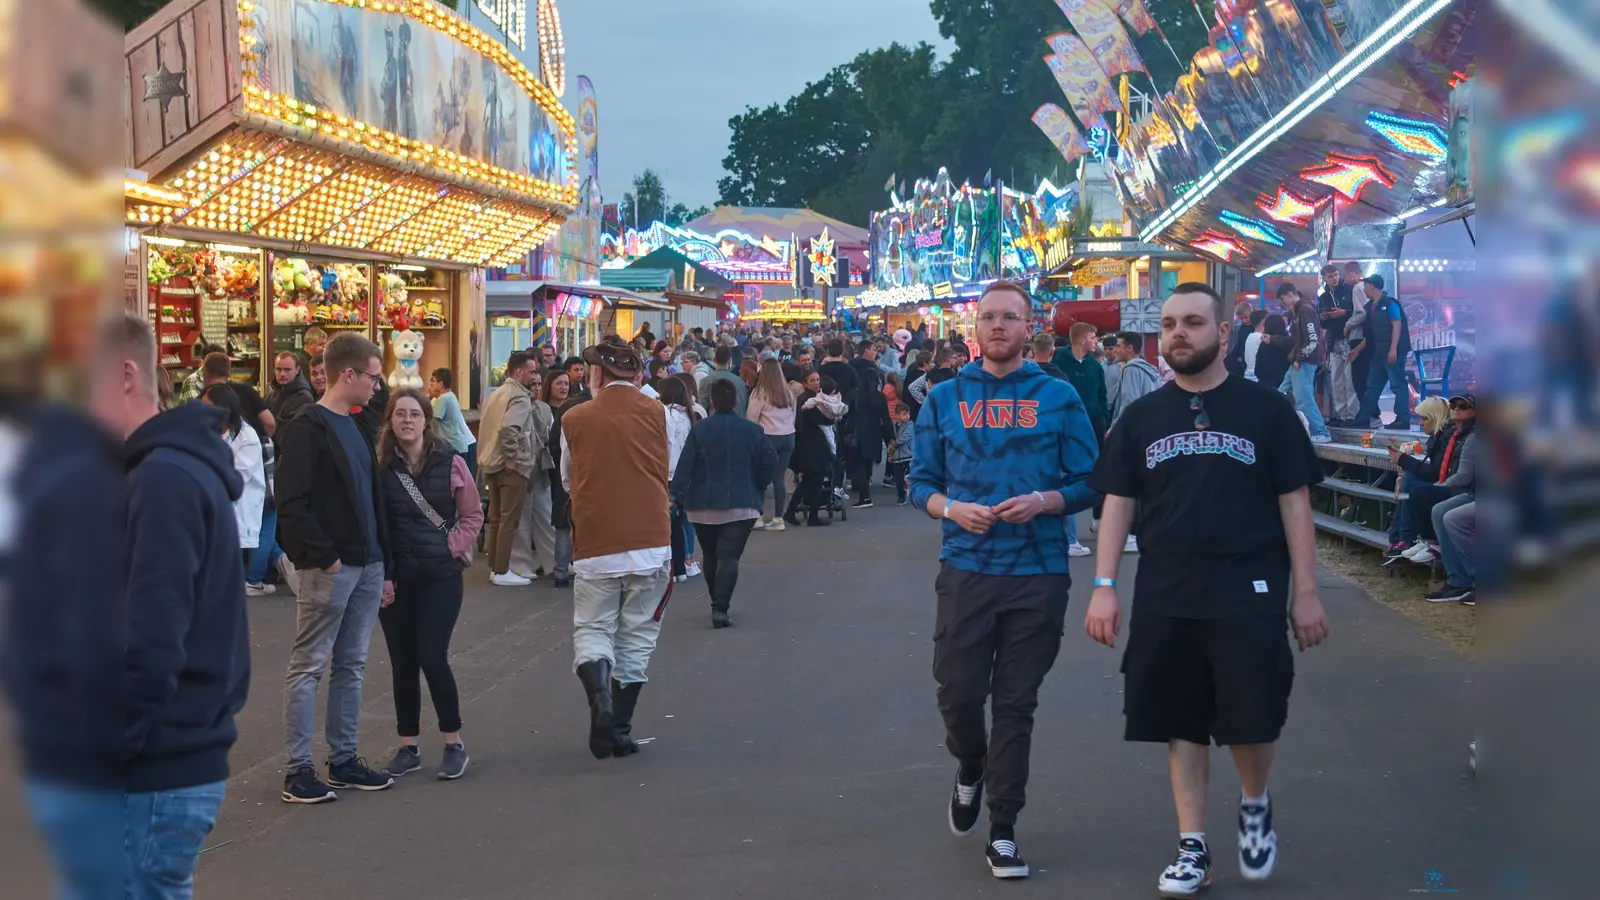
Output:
x,y
432,515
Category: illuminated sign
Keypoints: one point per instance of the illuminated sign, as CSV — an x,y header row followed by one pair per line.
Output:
x,y
943,289
930,239
1058,253
1288,207
823,261
1251,228
1411,135
511,17
896,296
1219,245
1349,174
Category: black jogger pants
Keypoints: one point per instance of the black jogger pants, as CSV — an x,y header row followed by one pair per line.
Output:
x,y
417,627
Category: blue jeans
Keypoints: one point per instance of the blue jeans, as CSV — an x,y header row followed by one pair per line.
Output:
x,y
1458,561
333,622
1072,529
1394,375
1302,383
1404,528
783,446
266,552
158,834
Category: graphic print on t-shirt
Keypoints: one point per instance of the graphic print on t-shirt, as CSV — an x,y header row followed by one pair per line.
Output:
x,y
1191,443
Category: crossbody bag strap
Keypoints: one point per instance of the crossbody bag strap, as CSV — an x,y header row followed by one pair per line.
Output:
x,y
427,509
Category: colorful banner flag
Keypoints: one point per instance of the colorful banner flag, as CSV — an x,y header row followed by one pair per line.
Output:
x,y
1081,79
1058,127
1134,13
1103,33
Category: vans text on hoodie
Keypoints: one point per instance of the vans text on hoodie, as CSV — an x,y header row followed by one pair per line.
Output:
x,y
982,439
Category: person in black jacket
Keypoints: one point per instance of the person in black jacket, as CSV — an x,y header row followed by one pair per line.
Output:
x,y
869,423
332,526
813,457
722,475
434,515
293,391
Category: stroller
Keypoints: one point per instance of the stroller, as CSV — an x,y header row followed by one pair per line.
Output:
x,y
833,491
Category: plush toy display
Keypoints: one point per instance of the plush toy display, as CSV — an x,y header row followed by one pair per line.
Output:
x,y
407,351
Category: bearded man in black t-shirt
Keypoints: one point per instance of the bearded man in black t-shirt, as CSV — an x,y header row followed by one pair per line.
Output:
x,y
1221,467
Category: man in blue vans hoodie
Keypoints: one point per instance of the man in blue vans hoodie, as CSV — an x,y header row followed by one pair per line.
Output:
x,y
1002,453
186,663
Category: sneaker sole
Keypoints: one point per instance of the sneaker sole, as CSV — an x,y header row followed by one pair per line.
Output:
x,y
393,774
446,776
950,818
344,786
1182,893
308,801
1009,872
1261,874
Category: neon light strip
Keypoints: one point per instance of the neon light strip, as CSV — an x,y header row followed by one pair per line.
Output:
x,y
1287,263
1403,24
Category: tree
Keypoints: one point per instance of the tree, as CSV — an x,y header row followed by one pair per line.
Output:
x,y
647,202
680,214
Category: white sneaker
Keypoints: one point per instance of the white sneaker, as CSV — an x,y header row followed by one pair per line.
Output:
x,y
1417,549
510,579
775,525
692,570
531,576
1426,558
259,590
1132,546
289,575
1077,549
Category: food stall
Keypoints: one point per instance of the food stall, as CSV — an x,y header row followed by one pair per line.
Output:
x,y
280,186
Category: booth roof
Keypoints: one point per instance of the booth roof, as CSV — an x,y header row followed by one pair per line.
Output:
x,y
778,224
613,294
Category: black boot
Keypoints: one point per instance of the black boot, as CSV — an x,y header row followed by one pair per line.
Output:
x,y
719,618
817,519
596,678
627,697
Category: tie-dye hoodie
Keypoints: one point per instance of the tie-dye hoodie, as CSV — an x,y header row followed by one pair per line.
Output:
x,y
982,439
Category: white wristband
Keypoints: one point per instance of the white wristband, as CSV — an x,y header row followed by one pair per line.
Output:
x,y
1042,504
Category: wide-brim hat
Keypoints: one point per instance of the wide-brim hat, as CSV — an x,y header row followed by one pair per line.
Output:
x,y
620,360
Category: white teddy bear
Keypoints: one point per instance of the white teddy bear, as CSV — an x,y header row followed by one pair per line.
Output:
x,y
407,350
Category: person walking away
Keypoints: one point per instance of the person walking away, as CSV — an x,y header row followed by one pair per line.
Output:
x,y
837,367
813,455
899,455
719,483
245,446
448,419
434,516
869,427
724,369
614,465
557,390
506,456
1272,357
1253,342
773,407
1002,454
1335,305
533,551
217,368
1223,470
332,525
1388,338
1307,353
1243,314
679,421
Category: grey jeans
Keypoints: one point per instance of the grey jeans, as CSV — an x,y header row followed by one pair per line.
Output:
x,y
619,619
333,625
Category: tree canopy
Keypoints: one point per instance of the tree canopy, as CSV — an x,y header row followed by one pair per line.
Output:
x,y
649,202
900,111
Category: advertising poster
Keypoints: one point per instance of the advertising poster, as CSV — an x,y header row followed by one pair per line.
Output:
x,y
1061,131
1103,33
1087,89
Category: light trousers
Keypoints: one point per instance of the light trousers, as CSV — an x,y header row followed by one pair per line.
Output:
x,y
619,619
534,546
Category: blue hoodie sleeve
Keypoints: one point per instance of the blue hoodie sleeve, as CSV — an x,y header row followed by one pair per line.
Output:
x,y
1078,450
165,552
928,473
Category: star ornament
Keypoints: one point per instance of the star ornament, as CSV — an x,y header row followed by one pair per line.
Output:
x,y
1288,207
165,85
1219,245
823,259
1349,174
1252,228
1411,135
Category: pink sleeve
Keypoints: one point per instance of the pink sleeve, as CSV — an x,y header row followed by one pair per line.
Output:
x,y
469,509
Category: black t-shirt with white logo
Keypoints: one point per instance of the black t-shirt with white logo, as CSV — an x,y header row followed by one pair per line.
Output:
x,y
1210,536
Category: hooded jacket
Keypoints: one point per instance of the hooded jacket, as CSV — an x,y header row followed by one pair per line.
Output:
x,y
1088,377
186,671
291,399
64,628
1133,380
982,439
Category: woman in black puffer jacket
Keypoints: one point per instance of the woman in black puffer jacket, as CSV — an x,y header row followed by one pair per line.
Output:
x,y
431,502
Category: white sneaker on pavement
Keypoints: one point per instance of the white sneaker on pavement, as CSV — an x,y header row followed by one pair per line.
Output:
x,y
1132,546
510,579
1077,549
692,570
259,590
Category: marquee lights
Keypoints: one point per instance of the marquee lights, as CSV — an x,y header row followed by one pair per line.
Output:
x,y
1411,135
1288,207
897,296
1218,245
552,47
1251,228
1349,174
823,261
1405,22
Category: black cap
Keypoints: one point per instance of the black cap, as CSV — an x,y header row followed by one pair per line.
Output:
x,y
1374,280
1464,401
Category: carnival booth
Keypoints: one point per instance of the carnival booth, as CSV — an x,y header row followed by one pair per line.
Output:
x,y
287,185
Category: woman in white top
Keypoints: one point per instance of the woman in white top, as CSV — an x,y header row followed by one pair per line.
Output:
x,y
1252,342
246,446
773,407
679,421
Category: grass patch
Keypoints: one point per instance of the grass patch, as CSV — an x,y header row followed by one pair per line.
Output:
x,y
1455,624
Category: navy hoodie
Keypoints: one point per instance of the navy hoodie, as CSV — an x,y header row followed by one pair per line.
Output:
x,y
982,439
61,660
187,667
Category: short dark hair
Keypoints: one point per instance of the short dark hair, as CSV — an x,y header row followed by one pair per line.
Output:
x,y
1257,316
517,360
445,377
924,358
1200,287
315,361
215,365
222,397
724,396
1287,288
802,350
943,356
836,347
1019,290
723,357
1276,326
827,384
571,361
348,350
864,346
1133,339
1330,269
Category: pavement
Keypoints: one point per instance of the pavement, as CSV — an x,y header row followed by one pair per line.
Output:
x,y
799,755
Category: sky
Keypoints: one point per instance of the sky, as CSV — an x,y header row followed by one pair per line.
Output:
x,y
669,74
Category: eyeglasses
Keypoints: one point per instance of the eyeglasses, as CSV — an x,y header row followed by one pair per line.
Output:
x,y
1202,419
372,375
1009,318
410,415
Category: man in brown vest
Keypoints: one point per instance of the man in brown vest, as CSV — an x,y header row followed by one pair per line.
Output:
x,y
614,466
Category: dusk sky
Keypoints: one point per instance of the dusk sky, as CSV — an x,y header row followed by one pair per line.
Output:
x,y
668,76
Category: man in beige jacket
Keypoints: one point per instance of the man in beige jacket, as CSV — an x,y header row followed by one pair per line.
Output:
x,y
507,456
